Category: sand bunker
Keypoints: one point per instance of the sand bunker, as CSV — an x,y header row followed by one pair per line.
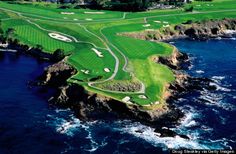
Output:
x,y
142,96
60,37
127,100
147,25
166,26
94,12
107,70
99,54
85,71
157,21
88,19
67,13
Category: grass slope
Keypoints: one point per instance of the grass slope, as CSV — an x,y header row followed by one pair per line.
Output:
x,y
102,33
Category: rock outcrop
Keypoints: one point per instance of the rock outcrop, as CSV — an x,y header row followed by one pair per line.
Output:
x,y
89,105
176,60
199,31
57,74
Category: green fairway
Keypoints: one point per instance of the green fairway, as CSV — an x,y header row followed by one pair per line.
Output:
x,y
45,12
3,15
102,56
30,34
86,59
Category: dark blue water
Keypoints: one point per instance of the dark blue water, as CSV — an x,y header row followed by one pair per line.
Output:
x,y
29,125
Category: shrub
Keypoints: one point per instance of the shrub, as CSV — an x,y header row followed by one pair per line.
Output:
x,y
189,9
58,55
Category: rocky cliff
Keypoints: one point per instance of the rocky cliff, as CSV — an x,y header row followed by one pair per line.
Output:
x,y
90,105
198,30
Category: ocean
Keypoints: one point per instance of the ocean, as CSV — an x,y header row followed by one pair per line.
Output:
x,y
28,124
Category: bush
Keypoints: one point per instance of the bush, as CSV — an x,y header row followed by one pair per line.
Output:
x,y
58,55
189,9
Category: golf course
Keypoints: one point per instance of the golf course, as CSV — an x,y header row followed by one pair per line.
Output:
x,y
108,63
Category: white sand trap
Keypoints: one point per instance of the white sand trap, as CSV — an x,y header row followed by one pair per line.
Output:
x,y
147,25
107,70
60,37
99,54
165,22
88,19
75,19
126,99
157,21
67,13
166,26
142,96
156,103
94,12
85,71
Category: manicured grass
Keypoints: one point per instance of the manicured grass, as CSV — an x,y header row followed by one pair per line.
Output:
x,y
3,15
30,34
86,59
108,26
74,30
40,11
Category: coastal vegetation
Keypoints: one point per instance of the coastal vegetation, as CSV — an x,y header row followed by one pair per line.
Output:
x,y
108,62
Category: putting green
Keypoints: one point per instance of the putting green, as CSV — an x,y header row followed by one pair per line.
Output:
x,y
98,51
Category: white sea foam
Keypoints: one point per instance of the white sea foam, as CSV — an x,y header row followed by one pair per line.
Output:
x,y
68,127
190,66
149,135
218,77
212,98
217,100
188,120
200,71
220,88
191,124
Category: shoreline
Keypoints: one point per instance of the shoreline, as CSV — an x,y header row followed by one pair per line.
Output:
x,y
88,106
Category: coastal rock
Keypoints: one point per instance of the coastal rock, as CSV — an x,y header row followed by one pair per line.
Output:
x,y
203,30
176,60
185,84
166,132
57,73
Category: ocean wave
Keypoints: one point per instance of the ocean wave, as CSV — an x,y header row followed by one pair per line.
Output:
x,y
219,87
188,120
166,143
209,97
216,99
68,127
218,77
200,71
62,110
73,126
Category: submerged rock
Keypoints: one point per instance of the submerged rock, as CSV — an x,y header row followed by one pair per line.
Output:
x,y
166,132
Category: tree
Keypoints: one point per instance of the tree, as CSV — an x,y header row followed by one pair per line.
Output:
x,y
10,32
